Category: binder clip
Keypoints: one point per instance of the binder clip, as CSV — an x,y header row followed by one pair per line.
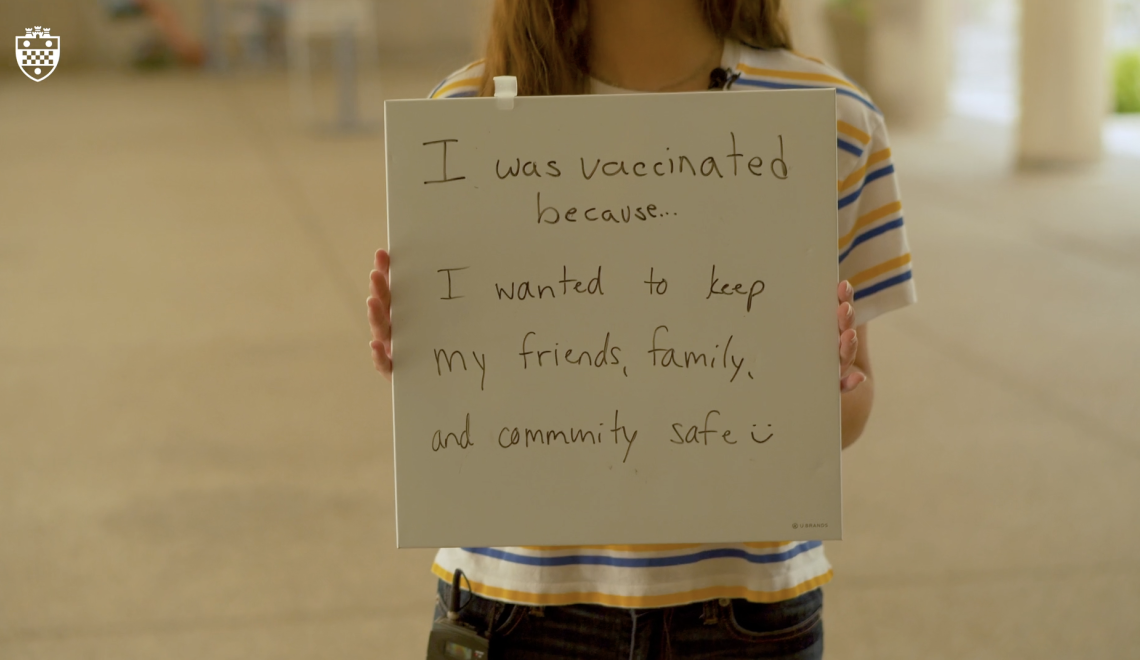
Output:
x,y
506,89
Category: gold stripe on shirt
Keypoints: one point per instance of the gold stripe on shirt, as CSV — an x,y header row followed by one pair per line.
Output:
x,y
465,82
798,75
870,218
857,175
885,267
850,131
660,600
660,547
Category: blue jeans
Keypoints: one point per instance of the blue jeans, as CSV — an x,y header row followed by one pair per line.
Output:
x,y
714,630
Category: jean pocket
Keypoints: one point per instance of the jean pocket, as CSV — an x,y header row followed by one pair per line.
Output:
x,y
784,621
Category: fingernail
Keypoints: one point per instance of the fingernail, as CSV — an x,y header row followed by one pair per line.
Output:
x,y
850,310
850,289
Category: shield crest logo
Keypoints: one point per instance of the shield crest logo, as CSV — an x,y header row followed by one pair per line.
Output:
x,y
37,53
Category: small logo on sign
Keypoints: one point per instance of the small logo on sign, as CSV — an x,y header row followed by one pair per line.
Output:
x,y
37,53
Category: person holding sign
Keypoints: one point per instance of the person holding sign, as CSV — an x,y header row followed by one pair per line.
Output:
x,y
678,601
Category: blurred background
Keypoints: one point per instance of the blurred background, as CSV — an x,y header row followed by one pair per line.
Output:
x,y
195,453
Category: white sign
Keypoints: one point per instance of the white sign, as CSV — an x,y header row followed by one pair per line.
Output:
x,y
614,319
37,53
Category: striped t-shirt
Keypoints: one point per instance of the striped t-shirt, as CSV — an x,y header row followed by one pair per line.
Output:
x,y
873,255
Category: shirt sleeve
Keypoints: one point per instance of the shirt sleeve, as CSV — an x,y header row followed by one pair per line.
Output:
x,y
874,254
462,83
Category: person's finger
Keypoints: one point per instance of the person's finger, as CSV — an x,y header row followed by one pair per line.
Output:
x,y
381,359
383,266
846,297
379,319
384,314
374,348
373,320
846,292
377,283
383,290
382,348
852,381
380,269
848,348
382,364
845,315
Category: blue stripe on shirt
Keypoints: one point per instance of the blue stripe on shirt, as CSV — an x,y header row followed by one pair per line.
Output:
x,y
864,237
871,178
850,148
838,90
885,284
645,562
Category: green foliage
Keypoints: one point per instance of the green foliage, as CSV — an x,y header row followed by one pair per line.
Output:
x,y
1126,77
857,8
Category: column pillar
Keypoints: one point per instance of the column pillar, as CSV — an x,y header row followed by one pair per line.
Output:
x,y
1064,82
909,60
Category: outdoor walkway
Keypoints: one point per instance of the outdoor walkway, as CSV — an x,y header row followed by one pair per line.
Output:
x,y
195,454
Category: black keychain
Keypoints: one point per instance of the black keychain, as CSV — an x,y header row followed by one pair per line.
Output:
x,y
452,639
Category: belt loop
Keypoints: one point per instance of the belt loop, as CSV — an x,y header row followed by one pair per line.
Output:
x,y
493,616
710,616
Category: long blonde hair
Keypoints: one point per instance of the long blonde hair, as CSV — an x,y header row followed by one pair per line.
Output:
x,y
544,42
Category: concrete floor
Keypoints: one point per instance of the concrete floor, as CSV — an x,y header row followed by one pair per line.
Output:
x,y
195,454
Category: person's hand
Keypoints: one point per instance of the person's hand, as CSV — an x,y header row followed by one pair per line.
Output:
x,y
380,314
849,376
